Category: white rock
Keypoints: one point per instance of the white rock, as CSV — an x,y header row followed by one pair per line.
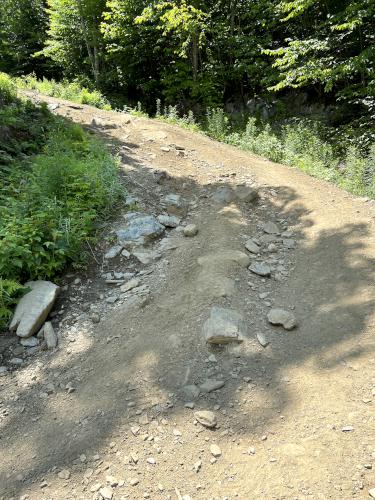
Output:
x,y
252,247
190,230
215,450
50,336
113,252
106,492
260,268
270,228
206,418
125,253
262,340
372,492
29,342
129,285
282,317
33,308
224,326
169,220
348,428
64,474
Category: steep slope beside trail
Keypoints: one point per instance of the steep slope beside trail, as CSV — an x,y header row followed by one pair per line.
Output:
x,y
111,413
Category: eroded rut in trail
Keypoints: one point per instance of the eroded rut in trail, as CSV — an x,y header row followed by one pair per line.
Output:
x,y
112,413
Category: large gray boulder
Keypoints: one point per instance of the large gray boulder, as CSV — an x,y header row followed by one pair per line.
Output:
x,y
140,228
224,326
34,307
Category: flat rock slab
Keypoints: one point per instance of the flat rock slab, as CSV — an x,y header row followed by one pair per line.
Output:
x,y
241,193
113,252
50,336
260,268
102,123
252,247
262,340
224,326
129,285
211,385
169,220
29,342
270,228
140,228
283,318
33,308
206,418
146,257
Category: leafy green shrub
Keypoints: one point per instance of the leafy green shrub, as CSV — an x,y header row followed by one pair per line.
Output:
x,y
300,145
8,90
171,115
43,227
71,91
23,130
217,123
359,172
10,292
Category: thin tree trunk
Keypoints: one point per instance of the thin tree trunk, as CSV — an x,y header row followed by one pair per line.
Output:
x,y
195,56
92,52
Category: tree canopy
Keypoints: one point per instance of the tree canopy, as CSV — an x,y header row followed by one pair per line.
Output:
x,y
200,53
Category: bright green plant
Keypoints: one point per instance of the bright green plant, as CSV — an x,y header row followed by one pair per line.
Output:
x,y
8,89
217,123
10,292
71,91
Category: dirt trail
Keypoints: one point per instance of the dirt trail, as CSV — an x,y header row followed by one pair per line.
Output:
x,y
281,413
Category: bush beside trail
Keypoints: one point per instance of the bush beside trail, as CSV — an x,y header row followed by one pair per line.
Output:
x,y
57,181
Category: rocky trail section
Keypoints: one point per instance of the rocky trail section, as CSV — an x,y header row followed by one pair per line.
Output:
x,y
220,345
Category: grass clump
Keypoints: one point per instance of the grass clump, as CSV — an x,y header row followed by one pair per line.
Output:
x,y
170,114
71,91
301,145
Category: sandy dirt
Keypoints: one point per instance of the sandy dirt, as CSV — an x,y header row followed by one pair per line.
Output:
x,y
295,419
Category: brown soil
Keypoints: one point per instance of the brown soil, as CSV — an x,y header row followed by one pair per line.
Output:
x,y
283,407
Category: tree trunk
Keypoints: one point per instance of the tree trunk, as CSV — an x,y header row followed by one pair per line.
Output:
x,y
195,56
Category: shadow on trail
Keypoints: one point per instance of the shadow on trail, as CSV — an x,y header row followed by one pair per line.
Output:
x,y
160,343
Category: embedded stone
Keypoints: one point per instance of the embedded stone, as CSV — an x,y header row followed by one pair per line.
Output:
x,y
282,317
33,308
224,326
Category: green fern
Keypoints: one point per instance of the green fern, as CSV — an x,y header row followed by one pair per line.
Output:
x,y
10,293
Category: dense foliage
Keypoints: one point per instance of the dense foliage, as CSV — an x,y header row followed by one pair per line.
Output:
x,y
200,53
56,182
